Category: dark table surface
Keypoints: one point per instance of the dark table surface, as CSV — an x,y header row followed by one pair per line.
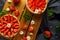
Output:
x,y
46,22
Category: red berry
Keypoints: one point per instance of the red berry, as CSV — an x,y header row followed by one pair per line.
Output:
x,y
24,38
48,33
16,12
12,8
30,28
24,27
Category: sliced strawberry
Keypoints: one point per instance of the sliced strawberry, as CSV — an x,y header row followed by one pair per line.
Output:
x,y
43,6
14,21
32,8
12,8
5,18
12,33
16,12
2,20
12,18
12,24
30,28
5,22
5,27
16,27
15,30
0,24
9,18
12,29
16,24
5,32
2,30
9,34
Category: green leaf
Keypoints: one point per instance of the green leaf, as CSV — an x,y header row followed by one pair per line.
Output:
x,y
26,15
50,12
46,36
3,12
58,27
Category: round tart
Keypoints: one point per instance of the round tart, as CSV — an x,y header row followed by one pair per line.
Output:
x,y
9,26
36,6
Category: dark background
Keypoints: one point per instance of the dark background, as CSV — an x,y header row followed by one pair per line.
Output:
x,y
49,23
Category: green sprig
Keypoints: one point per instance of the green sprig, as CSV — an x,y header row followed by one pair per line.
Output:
x,y
26,15
50,12
2,13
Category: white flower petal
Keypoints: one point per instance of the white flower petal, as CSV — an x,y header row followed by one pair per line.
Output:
x,y
21,32
28,37
9,1
7,9
32,22
31,33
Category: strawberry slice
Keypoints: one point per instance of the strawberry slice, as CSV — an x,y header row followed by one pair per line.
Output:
x,y
30,28
5,18
12,33
12,29
3,25
5,22
16,24
2,20
2,30
0,24
12,18
9,18
9,34
12,8
16,27
5,32
14,21
15,30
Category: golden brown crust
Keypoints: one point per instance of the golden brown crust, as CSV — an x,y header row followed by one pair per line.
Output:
x,y
18,29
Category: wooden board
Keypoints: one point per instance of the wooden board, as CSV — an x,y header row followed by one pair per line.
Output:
x,y
36,18
20,7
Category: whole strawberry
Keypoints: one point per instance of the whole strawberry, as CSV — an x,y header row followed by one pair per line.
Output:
x,y
47,34
12,8
30,29
24,38
16,12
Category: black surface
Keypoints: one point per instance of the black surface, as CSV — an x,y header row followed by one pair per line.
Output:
x,y
46,22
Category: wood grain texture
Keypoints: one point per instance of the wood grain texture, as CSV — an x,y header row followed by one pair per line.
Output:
x,y
22,22
37,19
19,7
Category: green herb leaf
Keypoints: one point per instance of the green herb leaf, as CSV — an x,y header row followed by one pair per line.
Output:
x,y
46,36
3,13
58,27
26,15
50,12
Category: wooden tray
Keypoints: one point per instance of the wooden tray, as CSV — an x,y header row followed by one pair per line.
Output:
x,y
36,18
